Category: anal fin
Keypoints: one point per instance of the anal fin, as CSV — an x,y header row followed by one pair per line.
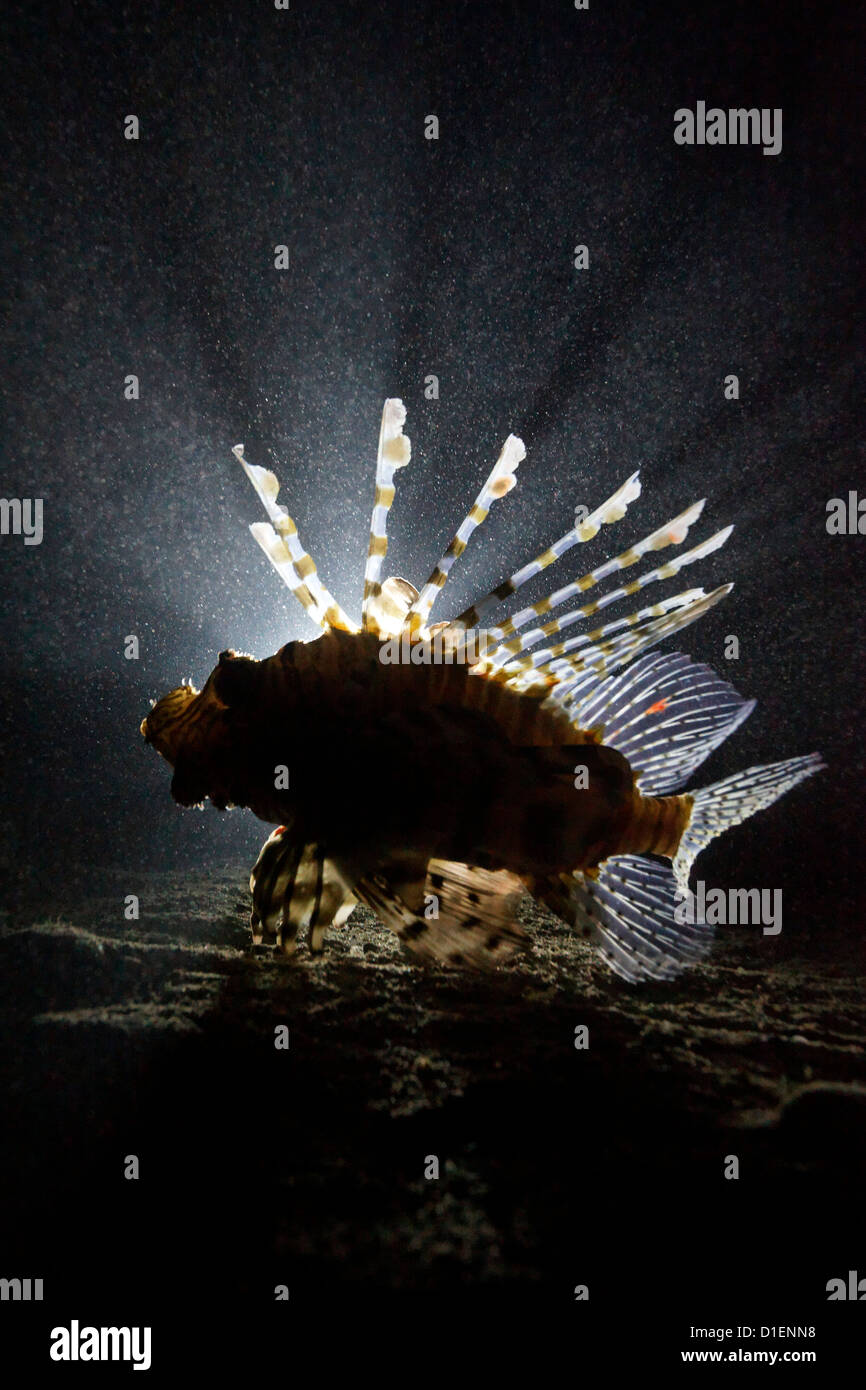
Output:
x,y
628,910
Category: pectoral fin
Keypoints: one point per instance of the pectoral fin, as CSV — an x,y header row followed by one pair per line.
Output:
x,y
467,916
295,885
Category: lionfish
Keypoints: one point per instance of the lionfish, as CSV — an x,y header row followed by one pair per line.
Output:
x,y
436,779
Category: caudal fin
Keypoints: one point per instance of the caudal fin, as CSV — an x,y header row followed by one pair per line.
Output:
x,y
718,807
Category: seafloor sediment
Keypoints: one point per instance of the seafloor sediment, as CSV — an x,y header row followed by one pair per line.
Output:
x,y
156,1038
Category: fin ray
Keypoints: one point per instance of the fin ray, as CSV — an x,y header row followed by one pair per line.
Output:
x,y
666,571
395,451
500,481
606,658
666,715
627,910
614,509
724,804
280,541
295,885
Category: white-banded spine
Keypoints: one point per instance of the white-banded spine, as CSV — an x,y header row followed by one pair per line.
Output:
x,y
499,482
281,543
395,451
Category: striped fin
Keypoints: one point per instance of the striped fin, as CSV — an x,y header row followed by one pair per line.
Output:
x,y
666,714
626,647
607,657
294,885
718,807
475,924
627,910
395,451
278,553
500,481
563,667
281,543
667,571
614,509
672,533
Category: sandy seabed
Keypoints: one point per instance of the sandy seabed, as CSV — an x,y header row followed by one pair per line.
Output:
x,y
306,1166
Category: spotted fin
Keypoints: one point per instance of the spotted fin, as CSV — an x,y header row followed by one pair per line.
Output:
x,y
475,914
627,910
294,885
395,451
666,714
500,482
614,509
281,543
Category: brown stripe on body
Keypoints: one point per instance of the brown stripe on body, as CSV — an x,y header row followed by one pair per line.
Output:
x,y
340,674
485,757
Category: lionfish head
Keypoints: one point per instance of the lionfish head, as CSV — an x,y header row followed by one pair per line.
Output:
x,y
165,726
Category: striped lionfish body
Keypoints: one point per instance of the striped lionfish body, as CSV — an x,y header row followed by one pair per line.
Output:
x,y
437,771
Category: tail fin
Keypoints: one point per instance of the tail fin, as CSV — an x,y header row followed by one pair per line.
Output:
x,y
727,803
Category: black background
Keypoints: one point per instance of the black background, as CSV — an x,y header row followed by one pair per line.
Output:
x,y
409,257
